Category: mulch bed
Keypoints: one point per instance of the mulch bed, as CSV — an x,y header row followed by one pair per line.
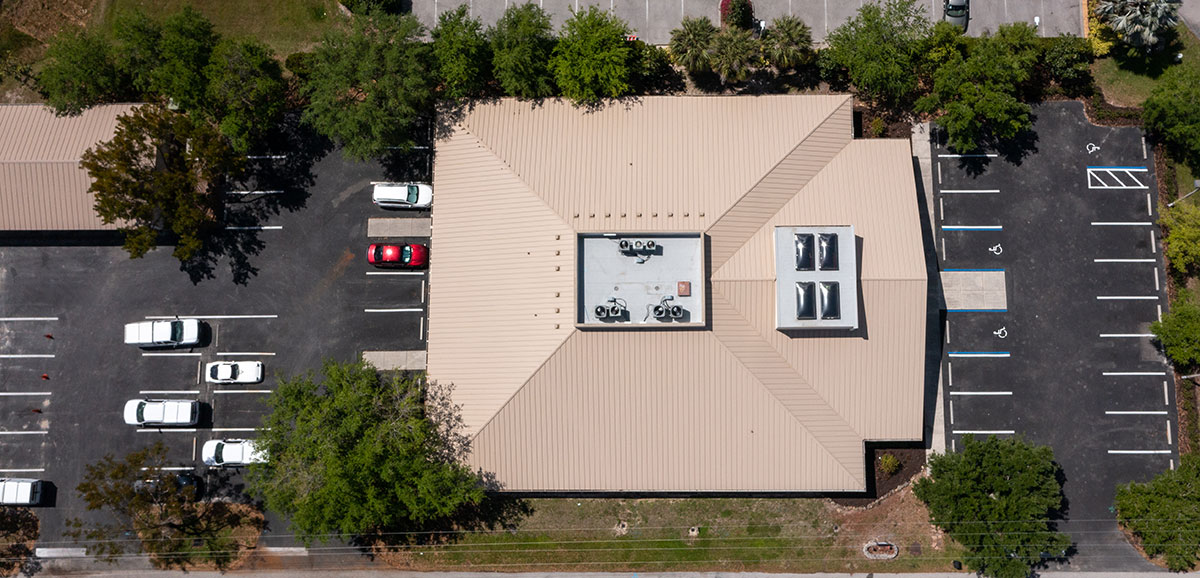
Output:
x,y
911,462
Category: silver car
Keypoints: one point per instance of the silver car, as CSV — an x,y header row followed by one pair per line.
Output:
x,y
957,12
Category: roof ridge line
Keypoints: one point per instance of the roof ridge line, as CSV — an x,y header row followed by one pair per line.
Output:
x,y
574,331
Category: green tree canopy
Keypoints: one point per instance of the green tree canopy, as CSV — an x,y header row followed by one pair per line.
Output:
x,y
180,193
1179,331
1067,61
690,43
1162,513
592,58
995,498
788,43
1140,23
522,44
142,499
1172,113
81,71
187,42
733,52
371,85
462,53
1182,244
137,52
245,91
880,48
352,452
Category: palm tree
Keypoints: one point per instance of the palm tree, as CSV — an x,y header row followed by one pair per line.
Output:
x,y
732,53
1138,22
690,43
788,42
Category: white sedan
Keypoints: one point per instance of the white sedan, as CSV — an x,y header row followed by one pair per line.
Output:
x,y
231,453
234,372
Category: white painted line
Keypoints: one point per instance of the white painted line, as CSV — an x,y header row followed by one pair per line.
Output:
x,y
392,310
951,412
939,172
981,393
983,431
943,249
1151,412
22,470
24,433
1144,147
171,391
972,227
193,448
28,319
395,272
1166,397
942,208
1127,297
1121,223
26,355
241,391
1126,335
949,156
173,468
285,550
268,157
23,393
1122,260
1127,452
267,353
947,332
234,429
1149,207
166,430
60,552
1156,278
254,192
214,316
970,191
1153,242
1168,432
1119,373
979,354
258,228
950,373
199,365
423,289
421,328
173,354
1159,306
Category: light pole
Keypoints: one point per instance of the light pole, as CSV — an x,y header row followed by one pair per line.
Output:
x,y
1195,183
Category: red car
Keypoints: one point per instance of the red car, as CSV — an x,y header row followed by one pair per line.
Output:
x,y
411,255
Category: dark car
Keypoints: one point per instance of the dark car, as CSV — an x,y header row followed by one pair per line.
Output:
x,y
188,484
409,255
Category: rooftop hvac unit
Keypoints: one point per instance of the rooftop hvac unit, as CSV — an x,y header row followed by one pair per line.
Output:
x,y
661,312
676,312
831,302
829,251
601,311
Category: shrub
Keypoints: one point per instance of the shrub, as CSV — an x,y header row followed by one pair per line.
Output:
x,y
737,13
888,463
788,42
1162,513
690,43
300,63
733,53
1067,61
1173,113
592,58
1179,331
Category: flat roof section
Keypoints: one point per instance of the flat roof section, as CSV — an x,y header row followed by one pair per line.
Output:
x,y
640,280
816,278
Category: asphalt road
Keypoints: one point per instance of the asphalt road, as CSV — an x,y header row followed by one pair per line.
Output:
x,y
1069,363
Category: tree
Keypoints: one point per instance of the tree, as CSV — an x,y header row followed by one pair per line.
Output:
x,y
355,452
880,48
788,43
732,54
1139,22
1067,61
995,498
144,500
591,60
186,45
1162,513
245,91
945,40
461,53
690,43
137,53
80,72
1172,113
522,43
738,14
161,171
1182,243
1179,331
370,85
978,95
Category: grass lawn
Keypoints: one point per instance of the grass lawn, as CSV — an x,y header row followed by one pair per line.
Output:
x,y
1127,81
285,25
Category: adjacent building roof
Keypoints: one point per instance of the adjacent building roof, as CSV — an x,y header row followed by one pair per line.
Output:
x,y
735,405
42,186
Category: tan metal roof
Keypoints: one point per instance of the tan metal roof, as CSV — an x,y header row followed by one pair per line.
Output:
x,y
42,186
737,406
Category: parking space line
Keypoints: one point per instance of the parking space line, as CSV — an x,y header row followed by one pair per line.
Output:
x,y
972,269
1156,278
234,429
1166,397
215,316
421,328
1096,178
970,191
972,228
1153,242
1159,307
245,353
24,433
241,391
1133,373
968,156
1126,335
1123,260
23,393
1149,207
173,468
979,354
1121,223
950,373
254,192
22,470
951,412
392,310
166,430
1127,297
943,249
423,290
939,172
26,355
28,319
981,393
171,354
977,311
256,228
1144,147
171,391
395,272
1127,452
983,432
1151,412
1168,432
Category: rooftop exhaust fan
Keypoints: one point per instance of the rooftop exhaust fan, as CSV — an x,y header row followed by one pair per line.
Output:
x,y
615,310
660,312
601,312
623,244
676,312
651,245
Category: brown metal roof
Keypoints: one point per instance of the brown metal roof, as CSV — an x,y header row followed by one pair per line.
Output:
x,y
42,186
736,406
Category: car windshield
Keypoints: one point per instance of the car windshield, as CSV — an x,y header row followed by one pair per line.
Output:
x,y
215,372
406,254
378,253
141,413
217,454
412,193
956,11
176,331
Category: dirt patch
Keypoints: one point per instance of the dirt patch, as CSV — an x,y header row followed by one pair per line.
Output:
x,y
245,536
900,519
912,461
22,529
42,20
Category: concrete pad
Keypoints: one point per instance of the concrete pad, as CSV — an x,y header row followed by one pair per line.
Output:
x,y
399,227
393,360
60,552
974,290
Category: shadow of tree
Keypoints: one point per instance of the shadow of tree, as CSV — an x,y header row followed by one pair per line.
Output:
x,y
1152,62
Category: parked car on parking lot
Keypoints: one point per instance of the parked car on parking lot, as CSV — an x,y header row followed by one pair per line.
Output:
x,y
410,255
187,484
234,372
20,491
166,333
162,412
956,12
231,453
402,195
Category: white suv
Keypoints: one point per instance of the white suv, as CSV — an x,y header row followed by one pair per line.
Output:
x,y
231,453
402,195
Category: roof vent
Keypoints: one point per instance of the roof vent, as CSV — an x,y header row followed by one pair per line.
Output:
x,y
601,312
676,312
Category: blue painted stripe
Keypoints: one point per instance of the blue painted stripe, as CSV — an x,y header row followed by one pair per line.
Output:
x,y
1121,168
977,310
972,269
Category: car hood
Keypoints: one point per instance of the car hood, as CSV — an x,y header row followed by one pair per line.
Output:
x,y
131,407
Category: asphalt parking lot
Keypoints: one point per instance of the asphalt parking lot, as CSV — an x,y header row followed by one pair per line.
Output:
x,y
291,288
653,20
1068,361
